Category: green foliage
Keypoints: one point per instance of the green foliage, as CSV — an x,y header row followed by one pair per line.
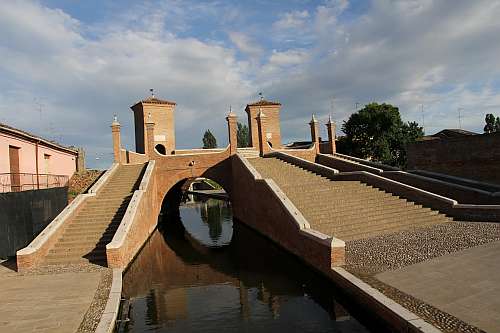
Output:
x,y
492,124
209,140
377,132
242,135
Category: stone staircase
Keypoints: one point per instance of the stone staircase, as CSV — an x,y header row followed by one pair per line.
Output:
x,y
248,152
85,238
348,210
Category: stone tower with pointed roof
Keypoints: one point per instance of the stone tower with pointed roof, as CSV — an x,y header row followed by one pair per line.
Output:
x,y
161,113
272,112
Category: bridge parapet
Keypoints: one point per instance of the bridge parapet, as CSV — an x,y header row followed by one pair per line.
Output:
x,y
138,222
262,205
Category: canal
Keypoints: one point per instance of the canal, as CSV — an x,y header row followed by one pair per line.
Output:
x,y
203,272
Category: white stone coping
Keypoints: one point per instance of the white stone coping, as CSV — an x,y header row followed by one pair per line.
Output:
x,y
53,226
465,180
412,319
104,178
439,181
301,160
110,314
256,175
300,221
453,203
364,162
126,222
146,178
201,152
346,160
413,188
131,212
310,148
61,218
432,180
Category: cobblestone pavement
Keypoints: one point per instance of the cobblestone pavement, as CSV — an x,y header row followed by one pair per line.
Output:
x,y
368,257
50,299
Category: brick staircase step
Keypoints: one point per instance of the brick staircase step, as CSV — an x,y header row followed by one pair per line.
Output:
x,y
348,209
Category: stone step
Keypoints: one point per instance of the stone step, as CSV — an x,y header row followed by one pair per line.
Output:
x,y
368,220
94,237
366,213
87,234
91,228
51,260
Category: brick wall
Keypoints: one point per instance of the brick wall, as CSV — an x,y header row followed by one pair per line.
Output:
x,y
256,205
272,113
475,157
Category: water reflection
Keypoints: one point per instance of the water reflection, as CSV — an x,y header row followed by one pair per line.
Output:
x,y
192,276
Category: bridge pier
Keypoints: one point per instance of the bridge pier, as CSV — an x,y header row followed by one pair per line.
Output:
x,y
115,130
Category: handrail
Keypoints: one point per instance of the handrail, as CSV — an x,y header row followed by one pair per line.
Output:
x,y
22,181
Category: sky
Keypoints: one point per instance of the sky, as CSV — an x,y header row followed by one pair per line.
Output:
x,y
68,66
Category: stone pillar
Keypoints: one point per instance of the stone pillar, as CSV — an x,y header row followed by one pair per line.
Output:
x,y
262,124
117,144
232,125
331,127
314,133
80,160
150,138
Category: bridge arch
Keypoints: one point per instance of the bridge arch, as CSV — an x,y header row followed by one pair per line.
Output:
x,y
173,170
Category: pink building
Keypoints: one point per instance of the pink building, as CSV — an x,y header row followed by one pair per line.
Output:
x,y
28,162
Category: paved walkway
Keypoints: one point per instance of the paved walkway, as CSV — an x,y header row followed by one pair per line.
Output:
x,y
465,284
44,303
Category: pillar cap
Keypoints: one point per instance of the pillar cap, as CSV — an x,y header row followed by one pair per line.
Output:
x,y
313,120
330,122
115,121
231,114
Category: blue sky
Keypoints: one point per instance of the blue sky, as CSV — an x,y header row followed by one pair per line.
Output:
x,y
68,66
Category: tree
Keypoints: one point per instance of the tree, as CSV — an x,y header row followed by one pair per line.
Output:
x,y
497,125
242,135
209,140
377,132
490,123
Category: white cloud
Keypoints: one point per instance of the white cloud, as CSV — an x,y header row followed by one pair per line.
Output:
x,y
247,45
292,20
439,53
82,82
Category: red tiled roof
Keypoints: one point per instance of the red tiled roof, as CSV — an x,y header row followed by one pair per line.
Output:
x,y
154,100
28,136
263,102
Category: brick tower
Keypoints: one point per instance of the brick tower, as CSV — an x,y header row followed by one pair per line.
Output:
x,y
272,112
161,113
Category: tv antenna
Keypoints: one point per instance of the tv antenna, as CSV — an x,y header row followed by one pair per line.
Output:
x,y
423,117
460,117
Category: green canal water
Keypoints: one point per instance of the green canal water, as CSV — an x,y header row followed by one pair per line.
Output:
x,y
201,271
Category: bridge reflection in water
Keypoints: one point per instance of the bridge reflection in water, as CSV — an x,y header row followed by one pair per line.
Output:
x,y
199,272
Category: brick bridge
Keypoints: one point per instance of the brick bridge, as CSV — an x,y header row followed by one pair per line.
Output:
x,y
306,198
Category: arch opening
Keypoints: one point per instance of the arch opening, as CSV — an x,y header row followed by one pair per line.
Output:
x,y
160,149
198,208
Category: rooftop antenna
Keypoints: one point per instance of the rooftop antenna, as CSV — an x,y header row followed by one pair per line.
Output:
x,y
152,92
460,117
332,108
40,105
261,96
423,117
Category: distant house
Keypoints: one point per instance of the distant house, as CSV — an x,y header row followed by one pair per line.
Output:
x,y
449,134
458,153
29,162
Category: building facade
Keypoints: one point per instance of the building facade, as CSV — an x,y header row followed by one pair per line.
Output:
x,y
29,162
